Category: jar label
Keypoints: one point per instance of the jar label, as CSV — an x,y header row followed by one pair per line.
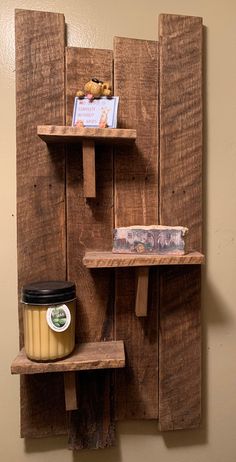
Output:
x,y
58,318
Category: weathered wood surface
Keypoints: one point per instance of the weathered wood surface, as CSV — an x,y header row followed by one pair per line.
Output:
x,y
113,260
86,356
71,402
141,299
136,201
65,134
40,46
92,426
41,414
180,348
89,225
181,125
89,168
180,203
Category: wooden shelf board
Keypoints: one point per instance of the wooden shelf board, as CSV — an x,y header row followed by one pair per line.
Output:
x,y
112,260
64,134
86,356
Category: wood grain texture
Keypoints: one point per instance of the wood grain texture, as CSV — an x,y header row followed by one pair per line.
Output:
x,y
180,348
89,168
71,402
141,299
41,415
113,260
86,356
64,134
136,201
92,426
180,204
89,226
181,125
40,42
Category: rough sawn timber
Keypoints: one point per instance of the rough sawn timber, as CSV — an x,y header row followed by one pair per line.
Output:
x,y
113,260
86,356
136,201
89,226
40,44
89,169
180,204
65,134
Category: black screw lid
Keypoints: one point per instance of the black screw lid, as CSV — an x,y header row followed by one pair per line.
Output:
x,y
46,292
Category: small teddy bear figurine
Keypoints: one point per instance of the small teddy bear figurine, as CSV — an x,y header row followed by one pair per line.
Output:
x,y
95,89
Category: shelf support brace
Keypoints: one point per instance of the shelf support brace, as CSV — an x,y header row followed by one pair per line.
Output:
x,y
89,168
142,274
70,391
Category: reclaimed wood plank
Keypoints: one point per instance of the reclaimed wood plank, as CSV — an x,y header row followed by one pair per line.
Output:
x,y
97,424
180,204
86,356
181,125
113,260
89,225
40,42
65,134
136,201
180,348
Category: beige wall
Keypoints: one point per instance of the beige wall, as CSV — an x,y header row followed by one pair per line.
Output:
x,y
93,24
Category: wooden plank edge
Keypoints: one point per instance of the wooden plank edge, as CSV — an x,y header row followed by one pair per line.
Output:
x,y
50,133
112,260
23,365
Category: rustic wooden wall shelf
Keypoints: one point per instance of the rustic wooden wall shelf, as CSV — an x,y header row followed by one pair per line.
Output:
x,y
88,137
86,356
141,262
155,180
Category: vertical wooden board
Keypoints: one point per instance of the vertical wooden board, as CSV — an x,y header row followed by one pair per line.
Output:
x,y
136,202
40,38
181,125
180,204
180,348
89,226
92,426
42,405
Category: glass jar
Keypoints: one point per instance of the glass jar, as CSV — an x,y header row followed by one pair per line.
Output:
x,y
49,319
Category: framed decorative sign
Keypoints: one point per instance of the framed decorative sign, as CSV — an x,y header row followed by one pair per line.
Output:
x,y
101,112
